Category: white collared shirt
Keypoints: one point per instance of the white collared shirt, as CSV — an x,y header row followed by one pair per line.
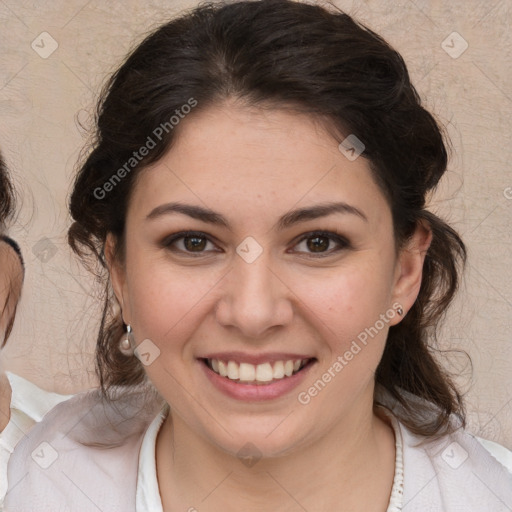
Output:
x,y
131,466
29,404
148,494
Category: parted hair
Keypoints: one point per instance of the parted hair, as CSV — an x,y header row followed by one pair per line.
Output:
x,y
319,61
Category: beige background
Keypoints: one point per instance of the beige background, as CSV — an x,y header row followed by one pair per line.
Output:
x,y
42,100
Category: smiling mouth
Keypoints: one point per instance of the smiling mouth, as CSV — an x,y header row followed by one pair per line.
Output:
x,y
260,374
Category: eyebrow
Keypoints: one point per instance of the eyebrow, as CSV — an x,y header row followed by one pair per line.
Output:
x,y
287,220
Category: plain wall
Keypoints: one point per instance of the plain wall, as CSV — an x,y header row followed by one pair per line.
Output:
x,y
42,100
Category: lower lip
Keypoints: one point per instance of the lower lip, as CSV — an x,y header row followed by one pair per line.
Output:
x,y
253,392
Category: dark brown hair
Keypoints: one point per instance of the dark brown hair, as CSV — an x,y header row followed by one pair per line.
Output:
x,y
6,195
321,62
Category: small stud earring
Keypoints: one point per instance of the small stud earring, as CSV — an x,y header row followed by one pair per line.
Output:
x,y
126,344
400,311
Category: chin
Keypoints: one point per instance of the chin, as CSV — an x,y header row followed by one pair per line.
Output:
x,y
252,443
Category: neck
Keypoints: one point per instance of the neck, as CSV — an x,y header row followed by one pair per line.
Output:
x,y
336,472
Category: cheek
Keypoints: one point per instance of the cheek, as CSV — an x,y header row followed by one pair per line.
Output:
x,y
348,300
166,305
346,310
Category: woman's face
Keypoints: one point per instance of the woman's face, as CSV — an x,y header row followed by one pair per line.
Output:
x,y
292,257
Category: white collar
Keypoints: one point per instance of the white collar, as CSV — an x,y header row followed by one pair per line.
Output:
x,y
30,399
148,493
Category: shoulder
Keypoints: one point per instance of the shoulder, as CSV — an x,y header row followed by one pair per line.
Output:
x,y
27,404
30,399
454,472
83,455
499,452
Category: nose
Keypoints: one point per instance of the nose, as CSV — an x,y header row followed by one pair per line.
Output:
x,y
254,299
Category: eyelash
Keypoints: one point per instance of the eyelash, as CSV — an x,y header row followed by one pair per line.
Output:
x,y
342,242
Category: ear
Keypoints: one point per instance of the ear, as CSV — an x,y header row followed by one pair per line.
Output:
x,y
409,269
117,274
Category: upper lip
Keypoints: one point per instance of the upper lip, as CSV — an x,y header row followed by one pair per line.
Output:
x,y
243,357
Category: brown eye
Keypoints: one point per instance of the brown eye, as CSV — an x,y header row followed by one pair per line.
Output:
x,y
318,243
321,243
194,243
189,242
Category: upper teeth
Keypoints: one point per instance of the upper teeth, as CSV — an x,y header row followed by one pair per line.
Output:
x,y
247,372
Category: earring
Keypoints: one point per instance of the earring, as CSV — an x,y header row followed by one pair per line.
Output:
x,y
126,344
400,311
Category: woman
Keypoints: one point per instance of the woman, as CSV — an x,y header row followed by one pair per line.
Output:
x,y
256,197
22,403
11,263
11,281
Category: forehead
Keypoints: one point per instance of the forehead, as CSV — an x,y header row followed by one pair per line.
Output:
x,y
246,159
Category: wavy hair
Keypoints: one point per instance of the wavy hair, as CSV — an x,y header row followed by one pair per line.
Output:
x,y
319,61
